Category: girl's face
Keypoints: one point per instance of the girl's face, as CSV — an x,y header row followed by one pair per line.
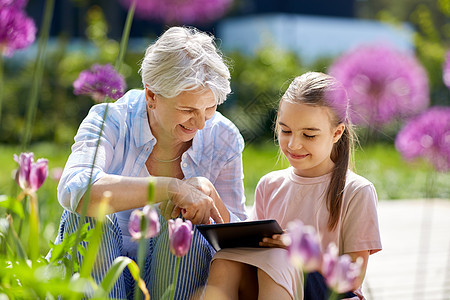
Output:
x,y
306,137
179,118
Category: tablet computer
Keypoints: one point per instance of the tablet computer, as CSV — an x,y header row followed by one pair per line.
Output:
x,y
239,234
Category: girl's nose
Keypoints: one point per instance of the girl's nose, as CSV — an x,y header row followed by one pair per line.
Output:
x,y
295,142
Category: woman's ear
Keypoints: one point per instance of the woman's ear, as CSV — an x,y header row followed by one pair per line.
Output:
x,y
150,98
338,132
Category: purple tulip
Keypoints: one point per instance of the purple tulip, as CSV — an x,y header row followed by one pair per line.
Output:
x,y
180,236
303,246
180,11
383,84
144,223
100,82
340,272
446,70
427,136
17,30
31,175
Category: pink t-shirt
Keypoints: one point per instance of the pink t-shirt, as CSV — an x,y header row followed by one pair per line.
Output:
x,y
285,196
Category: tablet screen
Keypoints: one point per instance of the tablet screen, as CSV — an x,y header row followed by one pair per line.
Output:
x,y
239,234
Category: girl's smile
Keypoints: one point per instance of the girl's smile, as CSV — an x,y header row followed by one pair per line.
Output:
x,y
297,156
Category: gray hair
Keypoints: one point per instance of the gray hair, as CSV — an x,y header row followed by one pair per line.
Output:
x,y
185,59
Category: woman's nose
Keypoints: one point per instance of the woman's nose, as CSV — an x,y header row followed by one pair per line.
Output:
x,y
200,119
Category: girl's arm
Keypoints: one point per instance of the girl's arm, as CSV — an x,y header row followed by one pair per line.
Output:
x,y
365,256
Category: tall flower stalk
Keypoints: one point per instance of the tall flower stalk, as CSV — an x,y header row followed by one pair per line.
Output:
x,y
123,46
38,72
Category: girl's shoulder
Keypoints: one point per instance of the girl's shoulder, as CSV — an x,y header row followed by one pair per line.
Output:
x,y
359,187
275,177
356,181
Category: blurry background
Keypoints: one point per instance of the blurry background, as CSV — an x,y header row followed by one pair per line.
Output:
x,y
267,44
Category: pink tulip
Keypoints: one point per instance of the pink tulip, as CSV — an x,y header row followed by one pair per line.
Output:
x,y
180,236
30,175
144,223
303,246
340,272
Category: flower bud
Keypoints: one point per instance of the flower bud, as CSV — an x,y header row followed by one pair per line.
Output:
x,y
180,236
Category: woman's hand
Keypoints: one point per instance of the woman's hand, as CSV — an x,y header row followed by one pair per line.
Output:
x,y
274,242
195,198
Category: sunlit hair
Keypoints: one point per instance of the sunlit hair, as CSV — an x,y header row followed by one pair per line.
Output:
x,y
185,59
319,89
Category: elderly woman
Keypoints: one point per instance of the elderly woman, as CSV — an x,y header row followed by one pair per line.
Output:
x,y
170,134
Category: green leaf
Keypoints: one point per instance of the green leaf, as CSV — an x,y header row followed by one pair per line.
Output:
x,y
114,272
12,204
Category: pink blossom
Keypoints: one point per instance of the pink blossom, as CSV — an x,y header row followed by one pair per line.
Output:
x,y
427,136
383,84
30,175
340,272
303,246
180,236
144,223
180,11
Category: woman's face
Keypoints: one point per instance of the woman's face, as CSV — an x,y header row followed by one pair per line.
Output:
x,y
306,137
182,116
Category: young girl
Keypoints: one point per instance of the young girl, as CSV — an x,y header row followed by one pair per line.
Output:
x,y
318,188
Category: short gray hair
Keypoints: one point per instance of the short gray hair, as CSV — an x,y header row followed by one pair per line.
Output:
x,y
185,59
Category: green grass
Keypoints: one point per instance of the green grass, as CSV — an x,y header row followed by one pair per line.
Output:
x,y
380,163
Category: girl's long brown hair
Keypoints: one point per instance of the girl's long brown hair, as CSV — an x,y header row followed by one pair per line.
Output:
x,y
319,89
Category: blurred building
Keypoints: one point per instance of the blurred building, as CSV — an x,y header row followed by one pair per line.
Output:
x,y
312,29
311,37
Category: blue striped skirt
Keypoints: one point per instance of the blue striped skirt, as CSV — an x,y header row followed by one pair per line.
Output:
x,y
159,265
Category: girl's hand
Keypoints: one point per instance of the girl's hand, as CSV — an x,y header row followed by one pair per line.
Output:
x,y
274,242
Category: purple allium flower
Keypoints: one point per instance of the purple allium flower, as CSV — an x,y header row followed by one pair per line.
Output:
x,y
446,71
427,136
31,175
13,3
144,223
100,82
340,272
303,246
17,30
382,83
180,236
180,11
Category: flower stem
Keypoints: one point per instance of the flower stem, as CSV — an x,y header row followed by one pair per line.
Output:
x,y
87,198
175,278
333,296
33,239
1,86
38,71
142,253
125,36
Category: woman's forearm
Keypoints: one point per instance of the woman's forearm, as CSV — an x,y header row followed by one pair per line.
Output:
x,y
126,192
